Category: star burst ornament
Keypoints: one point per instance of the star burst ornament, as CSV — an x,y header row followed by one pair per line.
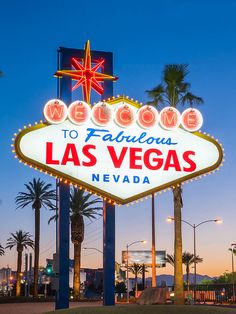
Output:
x,y
87,75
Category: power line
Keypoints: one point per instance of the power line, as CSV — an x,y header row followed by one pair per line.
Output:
x,y
98,232
99,238
48,248
89,254
92,231
93,221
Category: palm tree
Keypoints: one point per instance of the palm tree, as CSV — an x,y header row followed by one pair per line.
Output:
x,y
175,91
136,269
170,259
22,240
2,252
80,206
187,259
38,194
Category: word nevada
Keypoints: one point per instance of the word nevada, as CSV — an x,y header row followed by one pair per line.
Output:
x,y
124,115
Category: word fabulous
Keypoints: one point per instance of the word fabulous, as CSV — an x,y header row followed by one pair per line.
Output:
x,y
124,115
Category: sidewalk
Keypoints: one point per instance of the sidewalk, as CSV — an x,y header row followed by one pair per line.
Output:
x,y
38,308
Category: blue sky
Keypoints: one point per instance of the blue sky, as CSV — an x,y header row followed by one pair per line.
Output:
x,y
144,36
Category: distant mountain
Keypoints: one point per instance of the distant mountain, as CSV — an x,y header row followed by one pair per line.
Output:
x,y
169,279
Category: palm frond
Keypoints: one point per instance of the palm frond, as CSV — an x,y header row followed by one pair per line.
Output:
x,y
2,252
53,218
81,205
157,94
136,269
191,100
170,259
38,194
174,74
20,238
174,90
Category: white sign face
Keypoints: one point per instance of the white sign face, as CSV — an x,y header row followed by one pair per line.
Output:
x,y
123,164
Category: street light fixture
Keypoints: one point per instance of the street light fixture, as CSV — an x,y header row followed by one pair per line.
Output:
x,y
93,248
194,226
232,249
127,264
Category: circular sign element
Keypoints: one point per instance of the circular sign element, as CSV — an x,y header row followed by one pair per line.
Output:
x,y
102,113
79,112
147,117
169,118
55,111
124,115
192,119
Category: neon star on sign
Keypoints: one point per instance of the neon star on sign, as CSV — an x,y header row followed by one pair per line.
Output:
x,y
86,75
119,149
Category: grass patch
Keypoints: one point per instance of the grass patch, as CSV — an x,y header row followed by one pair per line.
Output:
x,y
149,309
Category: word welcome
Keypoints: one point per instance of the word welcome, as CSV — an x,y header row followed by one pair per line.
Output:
x,y
125,115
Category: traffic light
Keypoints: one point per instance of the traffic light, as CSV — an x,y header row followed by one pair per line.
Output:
x,y
49,270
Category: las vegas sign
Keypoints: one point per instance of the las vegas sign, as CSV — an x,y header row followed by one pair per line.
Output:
x,y
119,149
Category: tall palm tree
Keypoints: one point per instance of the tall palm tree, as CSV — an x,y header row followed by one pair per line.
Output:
x,y
81,206
136,269
2,252
22,240
187,259
38,194
175,91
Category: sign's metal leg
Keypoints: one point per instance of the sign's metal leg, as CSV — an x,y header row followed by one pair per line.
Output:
x,y
108,254
62,298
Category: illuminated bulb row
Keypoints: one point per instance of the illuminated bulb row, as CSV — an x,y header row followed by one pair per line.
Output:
x,y
119,97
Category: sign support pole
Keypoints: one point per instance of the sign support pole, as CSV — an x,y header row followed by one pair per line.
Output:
x,y
109,209
63,232
108,216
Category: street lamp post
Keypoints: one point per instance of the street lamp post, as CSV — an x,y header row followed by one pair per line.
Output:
x,y
233,247
127,264
154,282
194,226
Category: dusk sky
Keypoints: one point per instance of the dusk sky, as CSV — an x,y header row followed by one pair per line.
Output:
x,y
144,36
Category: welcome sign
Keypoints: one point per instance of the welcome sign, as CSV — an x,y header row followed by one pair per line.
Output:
x,y
118,149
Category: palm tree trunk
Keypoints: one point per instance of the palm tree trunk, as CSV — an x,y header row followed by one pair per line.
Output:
x,y
136,285
143,276
76,279
179,284
18,275
187,276
36,251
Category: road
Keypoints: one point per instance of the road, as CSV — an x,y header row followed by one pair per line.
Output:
x,y
37,307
